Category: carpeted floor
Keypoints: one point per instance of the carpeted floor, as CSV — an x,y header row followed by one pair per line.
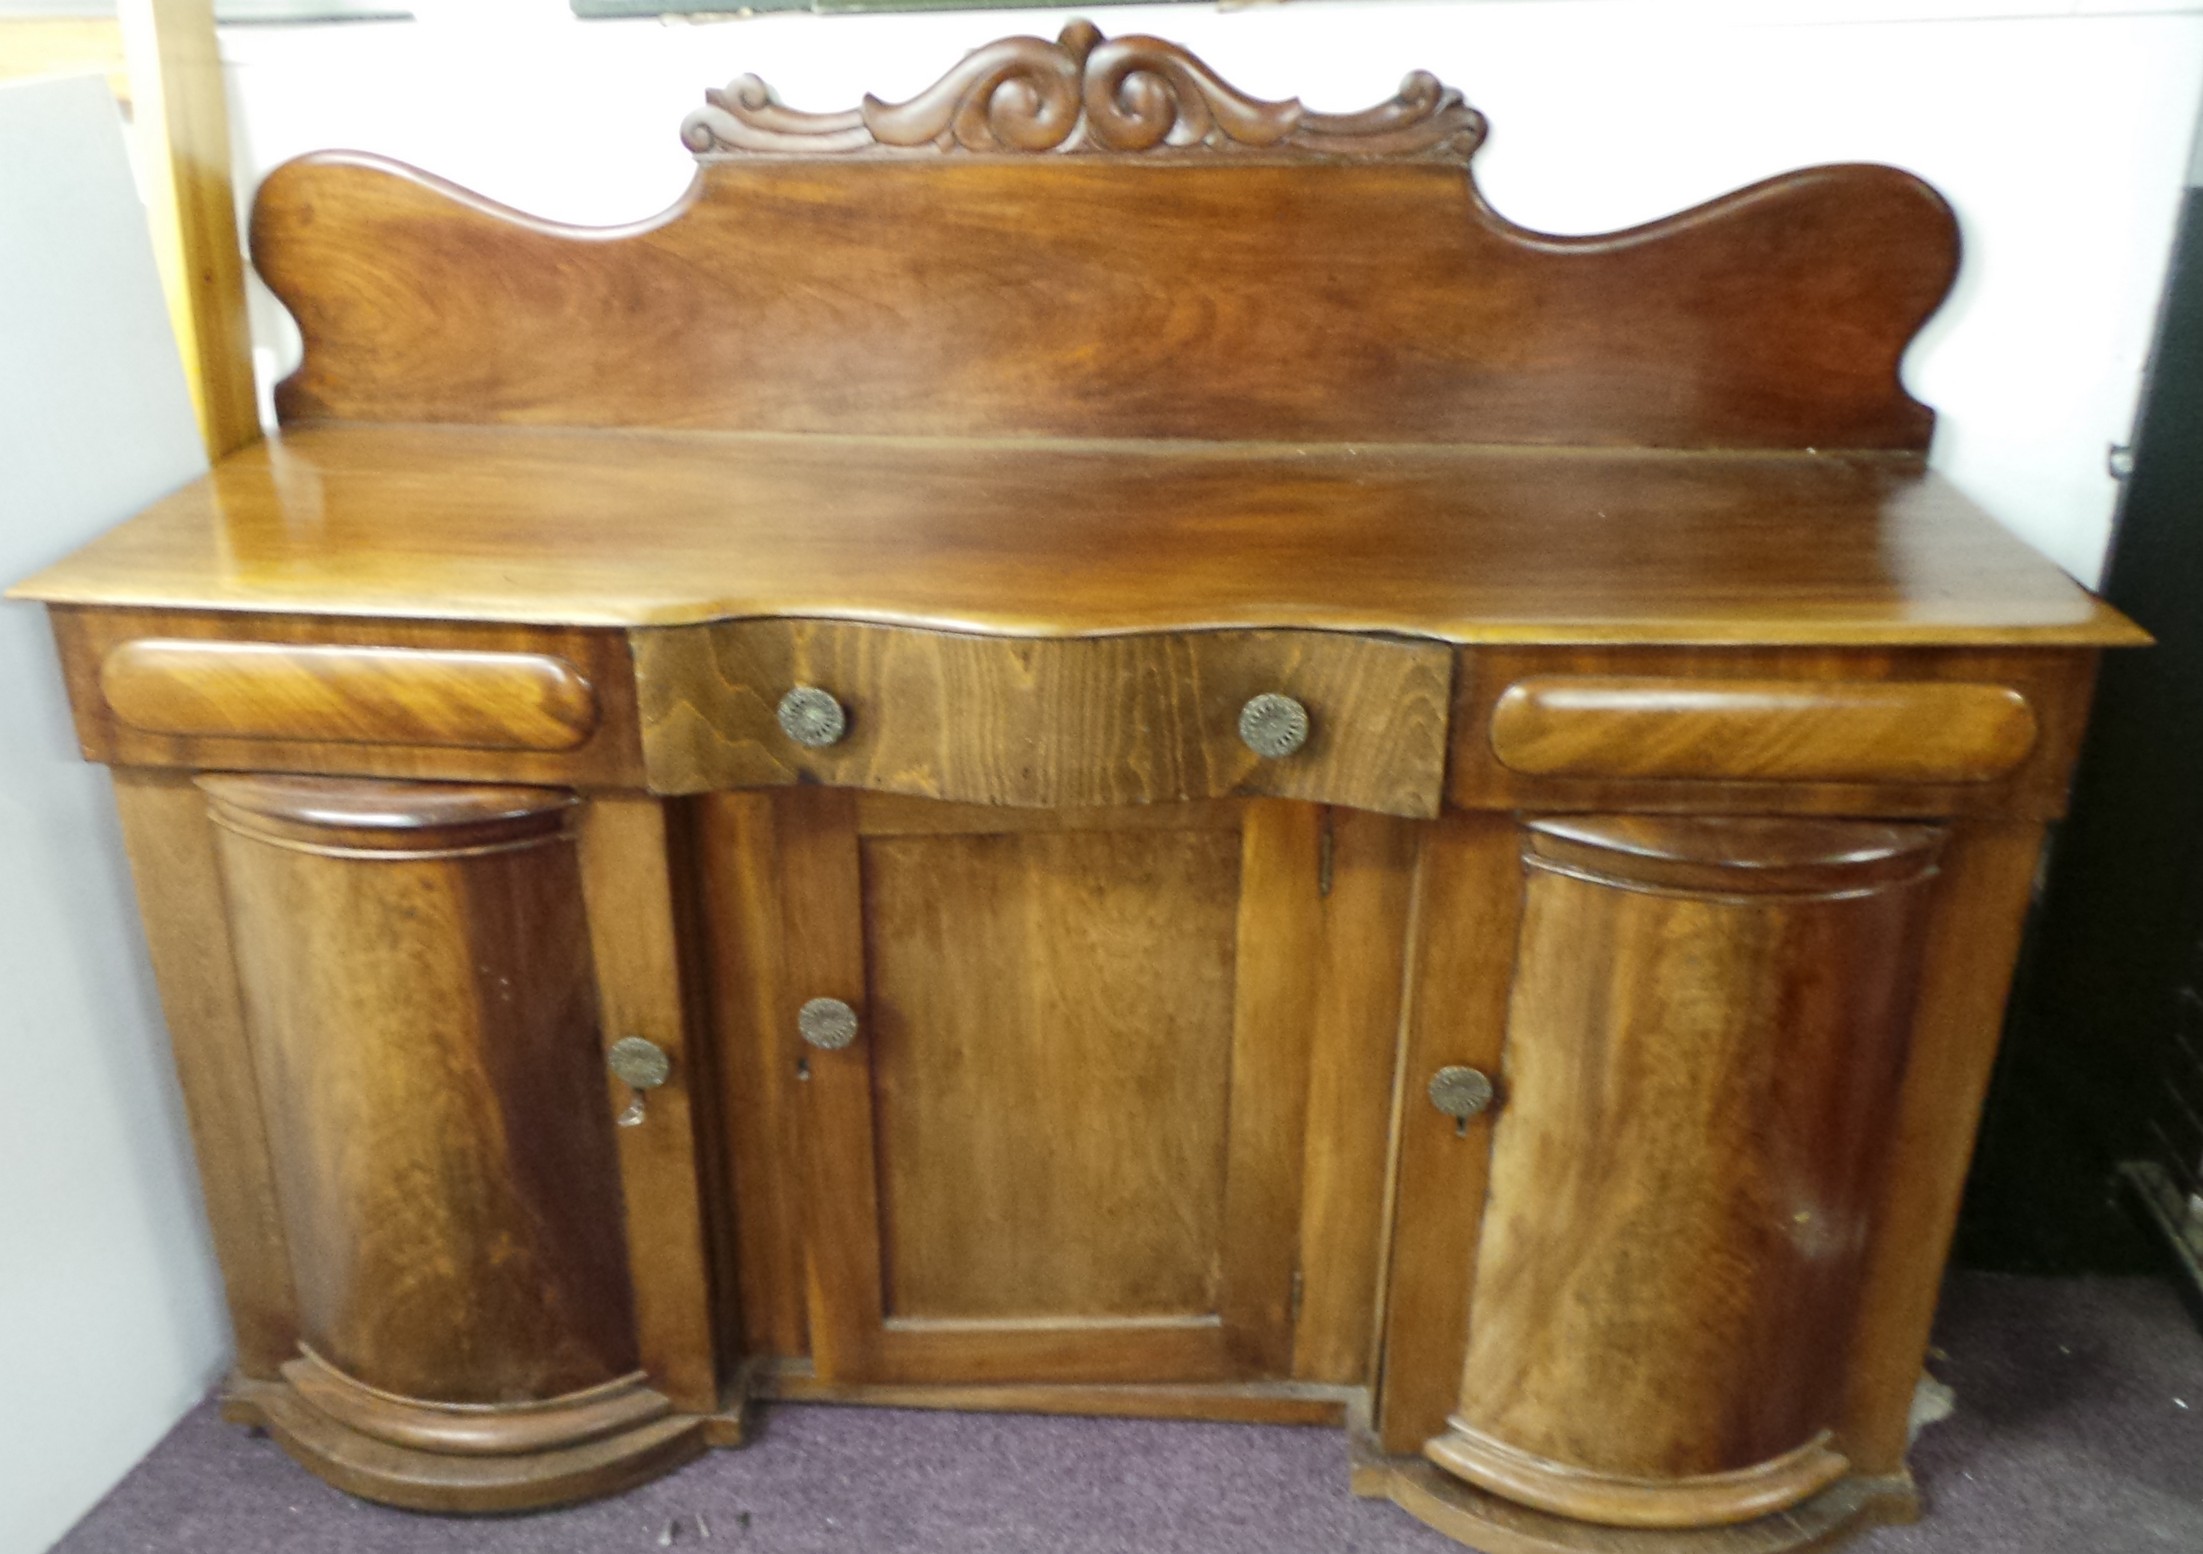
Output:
x,y
2079,1430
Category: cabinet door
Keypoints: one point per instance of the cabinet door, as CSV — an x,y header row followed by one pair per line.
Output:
x,y
1705,1037
1065,1140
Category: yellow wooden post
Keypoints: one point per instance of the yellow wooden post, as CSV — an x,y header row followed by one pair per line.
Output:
x,y
182,118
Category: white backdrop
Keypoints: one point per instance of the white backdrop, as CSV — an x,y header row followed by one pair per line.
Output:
x,y
2059,128
111,1320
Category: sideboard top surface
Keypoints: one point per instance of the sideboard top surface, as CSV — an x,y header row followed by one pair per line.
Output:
x,y
1083,340
1061,538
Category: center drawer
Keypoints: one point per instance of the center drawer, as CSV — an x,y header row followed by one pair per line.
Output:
x,y
1058,722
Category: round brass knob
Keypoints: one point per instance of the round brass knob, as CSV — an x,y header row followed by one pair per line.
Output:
x,y
1272,725
827,1023
639,1063
812,717
1460,1092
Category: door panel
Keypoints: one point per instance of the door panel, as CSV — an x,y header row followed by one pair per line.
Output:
x,y
1051,1028
1705,1039
1067,1142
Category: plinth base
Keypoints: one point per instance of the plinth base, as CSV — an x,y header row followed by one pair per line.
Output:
x,y
1495,1526
449,1482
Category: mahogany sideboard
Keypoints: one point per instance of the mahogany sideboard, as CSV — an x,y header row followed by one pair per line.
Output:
x,y
1087,744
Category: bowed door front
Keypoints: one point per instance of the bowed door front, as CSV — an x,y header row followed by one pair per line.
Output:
x,y
1051,1077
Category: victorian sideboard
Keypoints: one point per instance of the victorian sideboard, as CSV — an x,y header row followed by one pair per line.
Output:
x,y
1090,745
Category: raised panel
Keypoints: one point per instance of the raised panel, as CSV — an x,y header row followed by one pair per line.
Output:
x,y
1736,730
1052,1027
1066,1144
444,700
348,695
1714,730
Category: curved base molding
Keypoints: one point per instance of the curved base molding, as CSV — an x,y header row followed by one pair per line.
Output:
x,y
1493,1525
1619,1500
476,1430
447,1482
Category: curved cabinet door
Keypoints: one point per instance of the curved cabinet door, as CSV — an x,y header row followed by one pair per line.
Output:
x,y
1704,1038
415,969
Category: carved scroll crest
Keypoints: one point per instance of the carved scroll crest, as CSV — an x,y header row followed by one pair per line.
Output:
x,y
1083,94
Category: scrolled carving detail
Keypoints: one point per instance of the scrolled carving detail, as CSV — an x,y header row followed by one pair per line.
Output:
x,y
1084,95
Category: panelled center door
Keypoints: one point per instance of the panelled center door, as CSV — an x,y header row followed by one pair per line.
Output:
x,y
1064,1143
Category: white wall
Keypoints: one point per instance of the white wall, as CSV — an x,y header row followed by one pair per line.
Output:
x,y
111,1321
2059,128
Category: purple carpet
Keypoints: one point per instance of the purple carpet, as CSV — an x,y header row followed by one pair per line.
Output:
x,y
2079,1430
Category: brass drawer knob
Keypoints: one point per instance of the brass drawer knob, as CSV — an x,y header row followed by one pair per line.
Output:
x,y
827,1023
1460,1092
1272,725
812,717
641,1065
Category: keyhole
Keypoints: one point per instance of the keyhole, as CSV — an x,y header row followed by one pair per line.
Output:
x,y
631,1115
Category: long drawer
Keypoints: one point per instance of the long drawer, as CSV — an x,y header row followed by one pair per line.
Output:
x,y
1063,723
1856,731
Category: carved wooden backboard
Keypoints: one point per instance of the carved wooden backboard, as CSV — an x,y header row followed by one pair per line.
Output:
x,y
1095,238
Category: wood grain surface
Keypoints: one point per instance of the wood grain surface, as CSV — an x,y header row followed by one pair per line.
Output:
x,y
417,986
444,700
1493,1524
737,863
1049,297
1701,751
1468,906
1061,724
1969,948
1043,419
1051,1032
633,854
455,1482
1761,730
1707,1025
1143,983
348,695
171,844
1464,544
469,1430
1365,885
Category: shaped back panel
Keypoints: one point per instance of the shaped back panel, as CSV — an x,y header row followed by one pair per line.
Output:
x,y
1149,256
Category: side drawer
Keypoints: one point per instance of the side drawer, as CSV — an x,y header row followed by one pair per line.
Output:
x,y
465,699
1735,730
1868,731
225,691
1057,722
